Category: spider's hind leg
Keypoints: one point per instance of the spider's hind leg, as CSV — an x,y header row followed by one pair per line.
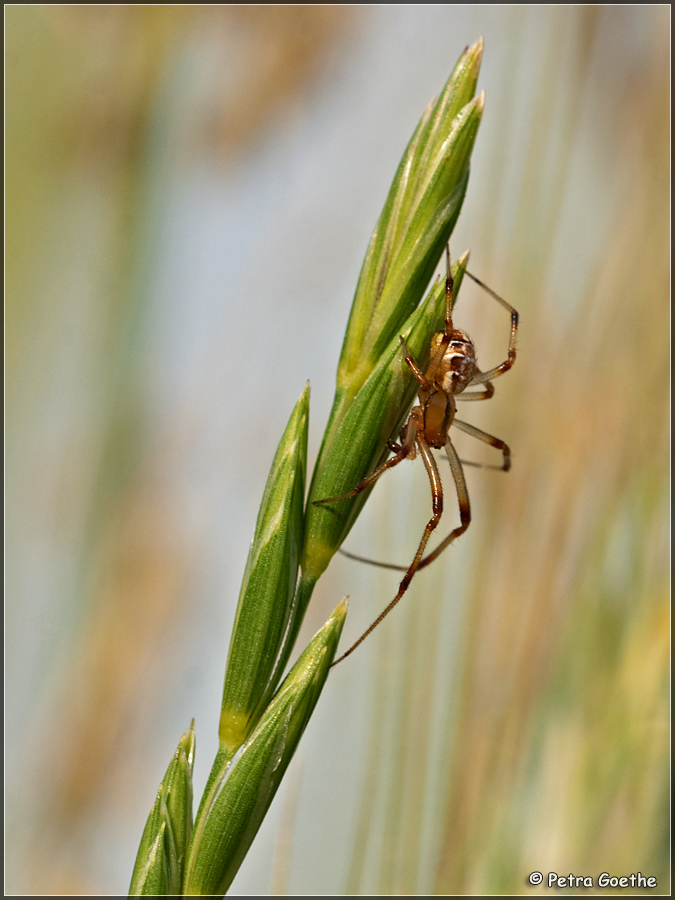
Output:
x,y
487,439
462,500
405,450
370,479
437,505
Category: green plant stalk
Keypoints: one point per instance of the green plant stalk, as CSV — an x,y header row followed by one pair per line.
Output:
x,y
260,726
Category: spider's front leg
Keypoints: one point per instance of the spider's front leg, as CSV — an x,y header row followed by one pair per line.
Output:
x,y
424,383
485,393
484,377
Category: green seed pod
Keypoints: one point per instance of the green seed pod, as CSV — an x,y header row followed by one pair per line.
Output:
x,y
269,585
161,855
239,801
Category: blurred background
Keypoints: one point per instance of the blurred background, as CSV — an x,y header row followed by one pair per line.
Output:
x,y
189,195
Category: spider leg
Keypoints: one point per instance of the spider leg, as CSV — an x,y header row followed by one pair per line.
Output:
x,y
470,462
437,506
414,368
487,439
487,392
477,395
405,451
462,499
372,562
449,288
370,479
446,337
511,358
462,496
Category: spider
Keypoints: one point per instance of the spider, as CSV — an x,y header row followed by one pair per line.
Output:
x,y
452,369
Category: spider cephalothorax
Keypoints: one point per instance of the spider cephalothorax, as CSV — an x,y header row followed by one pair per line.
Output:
x,y
457,365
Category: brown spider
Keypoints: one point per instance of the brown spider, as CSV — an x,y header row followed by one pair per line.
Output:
x,y
452,369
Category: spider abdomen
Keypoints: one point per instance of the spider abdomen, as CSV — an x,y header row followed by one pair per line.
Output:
x,y
439,411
